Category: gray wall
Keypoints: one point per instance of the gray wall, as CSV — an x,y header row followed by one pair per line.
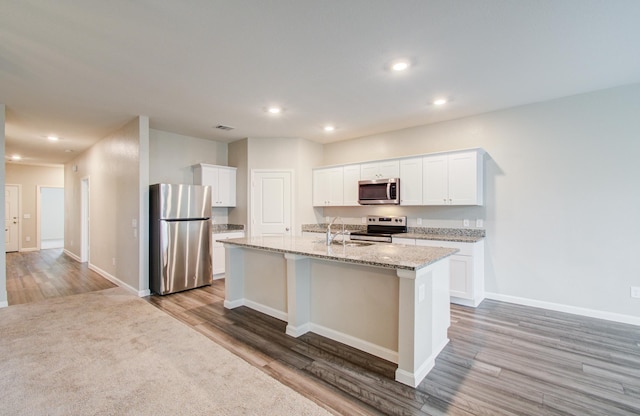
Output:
x,y
118,183
3,256
171,156
561,195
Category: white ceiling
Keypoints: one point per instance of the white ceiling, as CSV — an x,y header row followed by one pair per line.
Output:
x,y
81,69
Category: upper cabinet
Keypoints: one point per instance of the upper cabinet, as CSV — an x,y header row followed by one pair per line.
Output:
x,y
328,187
453,179
222,180
411,181
380,170
351,176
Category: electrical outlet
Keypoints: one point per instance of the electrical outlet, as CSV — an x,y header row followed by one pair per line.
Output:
x,y
363,220
479,223
113,260
419,221
635,292
465,223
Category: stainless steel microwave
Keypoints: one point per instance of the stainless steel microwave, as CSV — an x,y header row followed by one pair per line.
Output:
x,y
379,192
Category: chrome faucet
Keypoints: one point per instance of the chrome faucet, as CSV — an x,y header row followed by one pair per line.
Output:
x,y
331,236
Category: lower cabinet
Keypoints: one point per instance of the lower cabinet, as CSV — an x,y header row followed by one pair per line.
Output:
x,y
466,280
218,255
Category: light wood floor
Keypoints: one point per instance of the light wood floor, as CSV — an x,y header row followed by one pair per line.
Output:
x,y
503,359
38,275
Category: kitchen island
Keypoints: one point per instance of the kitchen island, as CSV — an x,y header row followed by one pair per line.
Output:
x,y
389,300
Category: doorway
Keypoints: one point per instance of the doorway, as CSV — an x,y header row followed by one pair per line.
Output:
x,y
50,207
271,200
12,217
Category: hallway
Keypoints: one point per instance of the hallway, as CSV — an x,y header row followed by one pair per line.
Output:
x,y
36,275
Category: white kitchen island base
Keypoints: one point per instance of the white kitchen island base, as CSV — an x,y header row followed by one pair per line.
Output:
x,y
398,314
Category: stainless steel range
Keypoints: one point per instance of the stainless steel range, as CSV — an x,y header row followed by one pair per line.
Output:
x,y
381,229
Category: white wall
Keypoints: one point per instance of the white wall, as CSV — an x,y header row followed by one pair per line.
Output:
x,y
299,155
52,213
3,258
561,191
117,199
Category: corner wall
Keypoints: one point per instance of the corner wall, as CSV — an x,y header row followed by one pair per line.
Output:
x,y
561,193
118,215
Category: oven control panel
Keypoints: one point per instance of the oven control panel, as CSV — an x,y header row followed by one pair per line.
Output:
x,y
388,221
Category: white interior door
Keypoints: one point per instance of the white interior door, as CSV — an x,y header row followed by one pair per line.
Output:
x,y
271,202
11,217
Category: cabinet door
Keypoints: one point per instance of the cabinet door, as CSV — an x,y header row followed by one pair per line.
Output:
x,y
435,187
206,175
351,176
369,171
411,181
327,187
389,169
226,193
461,276
336,186
463,179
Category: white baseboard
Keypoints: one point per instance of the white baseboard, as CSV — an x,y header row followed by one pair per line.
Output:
x,y
591,313
73,256
115,280
4,304
415,378
357,343
232,304
267,310
296,331
25,250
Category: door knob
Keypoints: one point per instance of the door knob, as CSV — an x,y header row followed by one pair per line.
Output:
x,y
286,229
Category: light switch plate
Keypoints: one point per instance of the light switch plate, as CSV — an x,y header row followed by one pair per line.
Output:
x,y
635,292
465,223
479,223
419,221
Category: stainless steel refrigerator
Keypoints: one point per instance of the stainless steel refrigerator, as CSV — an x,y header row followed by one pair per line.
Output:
x,y
180,237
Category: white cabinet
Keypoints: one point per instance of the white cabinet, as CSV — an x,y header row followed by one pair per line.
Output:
x,y
453,179
380,170
328,187
411,181
466,278
218,254
222,180
351,176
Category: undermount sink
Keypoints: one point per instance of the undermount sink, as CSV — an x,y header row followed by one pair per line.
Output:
x,y
351,243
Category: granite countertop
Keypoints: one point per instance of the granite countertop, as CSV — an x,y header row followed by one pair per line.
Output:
x,y
461,235
392,256
227,228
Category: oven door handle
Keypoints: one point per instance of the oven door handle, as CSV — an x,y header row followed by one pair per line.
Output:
x,y
388,191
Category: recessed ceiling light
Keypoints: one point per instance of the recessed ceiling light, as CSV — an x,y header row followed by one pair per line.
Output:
x,y
400,65
53,138
329,128
440,101
16,157
274,110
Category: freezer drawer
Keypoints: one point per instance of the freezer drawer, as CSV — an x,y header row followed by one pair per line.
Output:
x,y
181,258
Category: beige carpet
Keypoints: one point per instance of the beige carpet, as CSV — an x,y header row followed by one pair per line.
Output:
x,y
110,353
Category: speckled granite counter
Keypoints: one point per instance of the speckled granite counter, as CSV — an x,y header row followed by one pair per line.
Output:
x,y
386,255
227,228
462,235
389,300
